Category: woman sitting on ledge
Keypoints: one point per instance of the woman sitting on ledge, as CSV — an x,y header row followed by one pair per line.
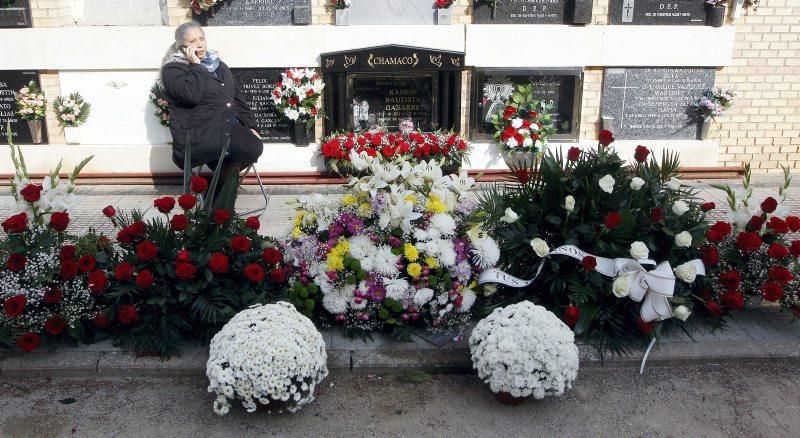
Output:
x,y
207,110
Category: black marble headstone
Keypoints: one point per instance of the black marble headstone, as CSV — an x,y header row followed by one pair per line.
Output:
x,y
386,100
257,84
254,13
12,81
17,15
673,12
654,103
521,12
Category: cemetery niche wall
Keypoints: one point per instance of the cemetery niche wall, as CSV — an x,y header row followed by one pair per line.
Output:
x,y
670,12
560,88
257,85
256,13
532,12
378,87
654,103
12,81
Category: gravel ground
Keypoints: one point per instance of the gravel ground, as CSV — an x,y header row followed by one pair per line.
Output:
x,y
742,400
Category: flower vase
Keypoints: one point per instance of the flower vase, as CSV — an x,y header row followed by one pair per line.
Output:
x,y
520,160
36,130
608,123
444,16
342,16
715,16
705,129
301,137
509,400
72,135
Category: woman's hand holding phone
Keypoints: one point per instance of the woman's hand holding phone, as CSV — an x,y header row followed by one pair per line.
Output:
x,y
191,53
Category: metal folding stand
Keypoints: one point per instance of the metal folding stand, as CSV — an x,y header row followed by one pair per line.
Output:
x,y
260,186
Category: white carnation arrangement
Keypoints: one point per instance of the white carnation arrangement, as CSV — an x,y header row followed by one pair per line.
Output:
x,y
523,349
269,355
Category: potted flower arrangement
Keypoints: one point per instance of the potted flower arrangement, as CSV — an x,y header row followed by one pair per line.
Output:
x,y
341,13
444,15
158,97
751,257
522,129
181,275
14,13
543,360
297,97
71,112
49,280
414,146
398,250
715,12
269,355
31,106
594,210
712,104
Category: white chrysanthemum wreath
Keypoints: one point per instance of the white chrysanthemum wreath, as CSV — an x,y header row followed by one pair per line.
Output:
x,y
268,354
524,350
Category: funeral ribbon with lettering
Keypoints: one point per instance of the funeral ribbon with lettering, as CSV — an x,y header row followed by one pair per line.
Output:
x,y
652,288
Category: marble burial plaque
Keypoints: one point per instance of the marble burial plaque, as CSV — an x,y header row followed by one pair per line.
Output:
x,y
654,103
257,85
558,91
125,13
392,12
10,82
673,12
521,12
386,100
252,13
16,15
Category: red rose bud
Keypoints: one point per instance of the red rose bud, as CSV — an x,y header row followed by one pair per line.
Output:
x,y
16,262
641,154
123,271
777,225
656,214
29,341
271,256
794,248
253,223
184,256
144,279
59,221
198,184
794,223
523,176
52,295
589,263
776,251
709,255
15,306
748,242
86,263
708,206
179,222
55,325
31,192
772,291
571,315
146,251
509,111
221,216
278,276
612,220
733,300
723,228
67,252
644,327
165,204
187,202
218,263
69,269
769,205
755,223
730,280
185,271
714,309
606,137
240,244
97,282
101,320
779,274
127,314
254,273
109,211
574,153
16,223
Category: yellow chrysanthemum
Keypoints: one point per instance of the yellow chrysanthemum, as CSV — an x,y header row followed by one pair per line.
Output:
x,y
411,253
335,262
298,218
410,198
435,205
296,232
473,285
432,262
414,270
341,248
364,209
348,200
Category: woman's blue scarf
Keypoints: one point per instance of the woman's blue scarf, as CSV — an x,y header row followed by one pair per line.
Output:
x,y
210,62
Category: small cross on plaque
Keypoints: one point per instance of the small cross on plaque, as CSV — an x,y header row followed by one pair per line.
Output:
x,y
627,11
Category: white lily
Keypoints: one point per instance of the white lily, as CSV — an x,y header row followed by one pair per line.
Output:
x,y
510,216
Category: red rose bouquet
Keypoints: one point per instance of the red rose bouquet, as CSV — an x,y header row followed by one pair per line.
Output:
x,y
524,125
297,95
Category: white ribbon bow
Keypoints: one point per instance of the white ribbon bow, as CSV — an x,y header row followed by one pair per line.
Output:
x,y
651,288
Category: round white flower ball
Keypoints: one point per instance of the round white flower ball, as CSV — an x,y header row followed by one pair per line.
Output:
x,y
524,350
270,355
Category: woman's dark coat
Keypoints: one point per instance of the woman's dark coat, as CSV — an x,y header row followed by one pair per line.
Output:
x,y
201,110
